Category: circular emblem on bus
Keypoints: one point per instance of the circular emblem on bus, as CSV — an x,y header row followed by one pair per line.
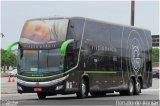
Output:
x,y
135,58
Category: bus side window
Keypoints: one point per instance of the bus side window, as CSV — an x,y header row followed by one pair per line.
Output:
x,y
75,29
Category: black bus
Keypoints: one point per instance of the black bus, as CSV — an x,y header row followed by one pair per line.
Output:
x,y
81,55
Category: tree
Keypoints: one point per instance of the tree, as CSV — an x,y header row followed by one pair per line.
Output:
x,y
155,55
7,60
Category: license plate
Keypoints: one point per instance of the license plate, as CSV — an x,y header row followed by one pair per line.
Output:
x,y
38,89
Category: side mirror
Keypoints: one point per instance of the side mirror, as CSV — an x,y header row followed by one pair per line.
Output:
x,y
9,50
65,45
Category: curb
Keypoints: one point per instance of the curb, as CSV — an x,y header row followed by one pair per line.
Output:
x,y
8,92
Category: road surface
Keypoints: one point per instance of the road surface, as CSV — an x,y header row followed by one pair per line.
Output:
x,y
148,97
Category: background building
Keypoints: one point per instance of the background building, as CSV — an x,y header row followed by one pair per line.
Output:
x,y
155,40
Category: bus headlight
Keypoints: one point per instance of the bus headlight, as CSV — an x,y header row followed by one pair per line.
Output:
x,y
59,87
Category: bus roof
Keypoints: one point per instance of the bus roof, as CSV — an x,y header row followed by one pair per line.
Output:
x,y
78,17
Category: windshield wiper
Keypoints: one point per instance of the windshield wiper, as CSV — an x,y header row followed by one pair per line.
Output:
x,y
21,72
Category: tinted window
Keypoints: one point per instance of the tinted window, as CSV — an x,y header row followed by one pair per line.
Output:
x,y
29,60
75,29
55,61
43,58
97,31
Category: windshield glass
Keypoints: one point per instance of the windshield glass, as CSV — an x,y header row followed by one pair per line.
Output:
x,y
41,61
44,31
29,60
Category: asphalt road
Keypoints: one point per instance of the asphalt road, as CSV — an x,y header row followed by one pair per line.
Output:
x,y
148,97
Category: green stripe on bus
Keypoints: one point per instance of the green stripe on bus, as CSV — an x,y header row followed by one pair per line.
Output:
x,y
39,77
64,46
101,72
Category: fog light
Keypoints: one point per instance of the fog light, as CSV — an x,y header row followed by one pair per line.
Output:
x,y
19,88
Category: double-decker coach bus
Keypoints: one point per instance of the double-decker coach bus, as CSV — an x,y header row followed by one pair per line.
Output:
x,y
80,55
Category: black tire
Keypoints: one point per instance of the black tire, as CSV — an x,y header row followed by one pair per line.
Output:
x,y
130,89
41,95
137,87
98,94
82,91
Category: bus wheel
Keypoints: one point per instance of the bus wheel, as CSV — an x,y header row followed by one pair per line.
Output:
x,y
137,87
83,91
130,89
41,95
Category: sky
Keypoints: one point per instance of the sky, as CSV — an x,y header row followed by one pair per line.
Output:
x,y
14,14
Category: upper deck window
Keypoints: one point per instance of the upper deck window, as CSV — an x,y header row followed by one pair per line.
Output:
x,y
44,31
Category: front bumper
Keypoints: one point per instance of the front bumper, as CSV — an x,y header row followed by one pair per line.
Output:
x,y
41,84
47,86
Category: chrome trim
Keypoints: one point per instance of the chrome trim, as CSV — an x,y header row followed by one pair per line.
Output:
x,y
41,84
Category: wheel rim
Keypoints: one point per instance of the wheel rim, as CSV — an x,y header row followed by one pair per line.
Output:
x,y
138,86
83,88
131,87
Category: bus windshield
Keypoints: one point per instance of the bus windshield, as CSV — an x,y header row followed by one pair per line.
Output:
x,y
44,31
45,61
